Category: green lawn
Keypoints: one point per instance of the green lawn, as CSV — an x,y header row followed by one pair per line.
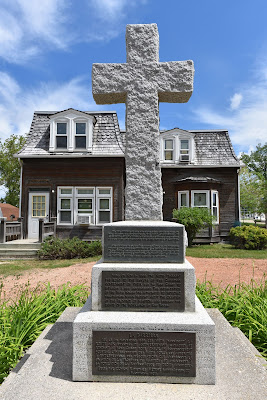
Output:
x,y
16,267
223,251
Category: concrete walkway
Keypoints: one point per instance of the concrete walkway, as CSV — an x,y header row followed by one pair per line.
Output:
x,y
45,371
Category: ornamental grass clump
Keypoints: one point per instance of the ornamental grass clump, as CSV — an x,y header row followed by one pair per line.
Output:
x,y
54,248
244,306
248,237
23,320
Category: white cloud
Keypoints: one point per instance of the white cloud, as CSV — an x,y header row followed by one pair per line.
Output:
x,y
112,10
235,101
17,104
247,118
27,26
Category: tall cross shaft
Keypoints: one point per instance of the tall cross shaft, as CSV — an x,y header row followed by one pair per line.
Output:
x,y
141,83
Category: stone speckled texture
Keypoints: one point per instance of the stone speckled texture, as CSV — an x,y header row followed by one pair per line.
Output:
x,y
44,372
198,322
141,83
186,268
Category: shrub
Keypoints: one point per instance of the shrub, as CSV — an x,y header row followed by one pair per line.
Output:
x,y
248,237
54,248
193,219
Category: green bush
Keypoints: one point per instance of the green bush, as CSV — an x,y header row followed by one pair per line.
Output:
x,y
54,248
248,237
194,219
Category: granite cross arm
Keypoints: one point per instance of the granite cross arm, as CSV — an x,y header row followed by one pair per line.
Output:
x,y
141,83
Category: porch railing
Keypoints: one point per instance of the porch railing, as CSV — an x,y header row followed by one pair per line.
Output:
x,y
10,230
46,229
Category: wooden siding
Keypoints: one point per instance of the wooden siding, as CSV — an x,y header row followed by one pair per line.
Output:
x,y
228,195
45,174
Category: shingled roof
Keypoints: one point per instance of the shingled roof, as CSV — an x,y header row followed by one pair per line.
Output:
x,y
107,139
212,148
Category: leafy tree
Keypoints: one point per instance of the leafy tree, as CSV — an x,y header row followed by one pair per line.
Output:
x,y
256,164
193,219
250,192
10,168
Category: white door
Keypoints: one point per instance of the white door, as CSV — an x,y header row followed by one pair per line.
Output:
x,y
38,208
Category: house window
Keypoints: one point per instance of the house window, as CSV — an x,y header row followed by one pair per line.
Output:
x,y
184,150
183,199
38,206
169,150
104,205
61,136
84,210
84,205
71,131
200,198
215,205
80,135
65,211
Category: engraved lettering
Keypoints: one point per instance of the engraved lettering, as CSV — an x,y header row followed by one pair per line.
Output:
x,y
144,353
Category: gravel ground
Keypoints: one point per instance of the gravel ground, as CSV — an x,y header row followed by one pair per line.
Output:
x,y
223,271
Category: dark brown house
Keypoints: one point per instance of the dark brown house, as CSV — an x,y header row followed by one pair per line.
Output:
x,y
73,172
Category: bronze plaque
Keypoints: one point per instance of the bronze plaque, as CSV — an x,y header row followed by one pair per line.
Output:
x,y
144,353
144,244
142,291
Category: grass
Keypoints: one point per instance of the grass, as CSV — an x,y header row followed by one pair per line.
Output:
x,y
22,321
223,251
244,306
16,267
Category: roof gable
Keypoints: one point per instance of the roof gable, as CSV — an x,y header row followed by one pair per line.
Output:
x,y
71,113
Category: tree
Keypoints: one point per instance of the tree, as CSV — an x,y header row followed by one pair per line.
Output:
x,y
193,219
256,164
10,168
250,192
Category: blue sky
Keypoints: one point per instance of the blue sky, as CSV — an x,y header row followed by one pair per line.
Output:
x,y
47,49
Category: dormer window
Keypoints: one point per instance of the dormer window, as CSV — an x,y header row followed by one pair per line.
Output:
x,y
71,131
61,136
177,147
169,150
80,135
184,150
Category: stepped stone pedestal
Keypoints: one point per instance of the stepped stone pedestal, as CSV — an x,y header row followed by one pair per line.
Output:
x,y
143,322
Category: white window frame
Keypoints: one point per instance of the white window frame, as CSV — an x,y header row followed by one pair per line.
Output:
x,y
193,192
96,197
62,121
61,196
165,150
78,196
77,121
217,205
181,150
177,135
180,193
104,196
71,118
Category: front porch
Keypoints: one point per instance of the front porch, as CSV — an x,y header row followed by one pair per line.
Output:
x,y
19,249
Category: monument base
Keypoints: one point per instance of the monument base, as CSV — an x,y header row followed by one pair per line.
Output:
x,y
119,346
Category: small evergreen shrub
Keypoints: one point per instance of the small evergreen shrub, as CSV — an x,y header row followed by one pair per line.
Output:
x,y
194,219
54,248
248,237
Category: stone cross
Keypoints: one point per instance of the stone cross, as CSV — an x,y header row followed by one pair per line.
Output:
x,y
141,83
